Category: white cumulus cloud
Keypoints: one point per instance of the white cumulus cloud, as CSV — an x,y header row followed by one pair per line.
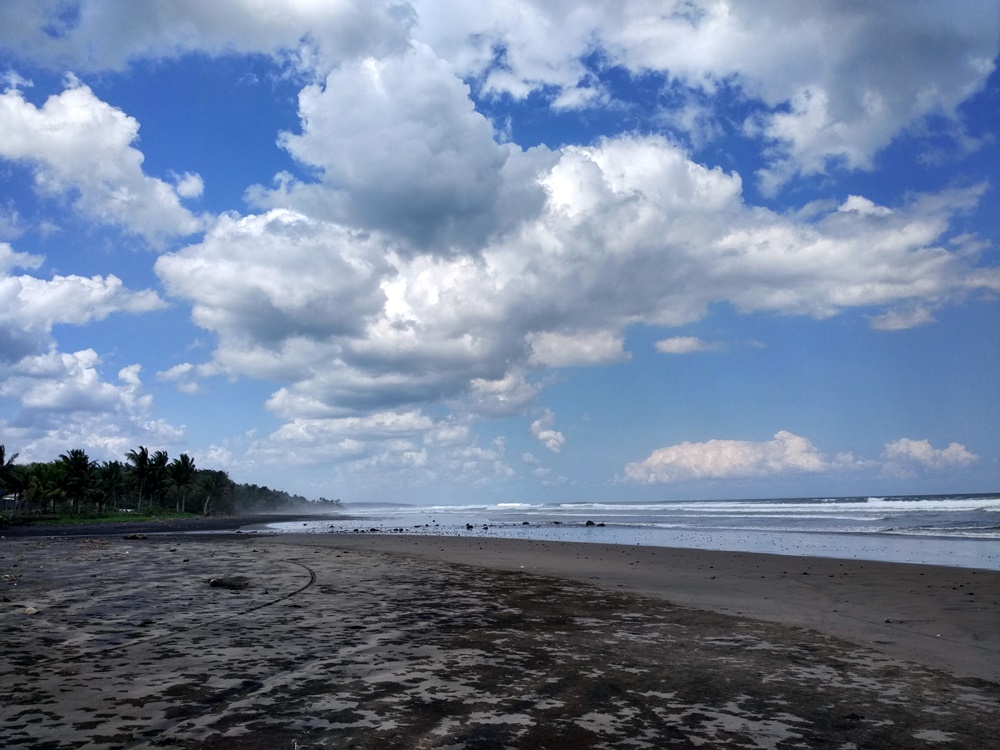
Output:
x,y
400,147
559,349
420,270
542,430
862,74
30,306
728,459
99,35
631,231
906,452
64,401
786,454
303,277
80,146
683,345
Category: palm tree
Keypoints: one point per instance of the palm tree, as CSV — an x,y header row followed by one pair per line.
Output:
x,y
217,487
42,483
6,466
10,481
181,471
158,477
138,461
111,476
78,476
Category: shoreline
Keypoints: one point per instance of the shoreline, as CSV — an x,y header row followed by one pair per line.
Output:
x,y
913,549
948,551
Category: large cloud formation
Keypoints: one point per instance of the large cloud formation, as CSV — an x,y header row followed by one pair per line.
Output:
x,y
421,261
631,230
862,72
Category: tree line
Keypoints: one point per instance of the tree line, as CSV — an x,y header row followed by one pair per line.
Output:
x,y
145,482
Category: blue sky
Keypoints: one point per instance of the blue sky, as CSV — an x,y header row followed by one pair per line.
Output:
x,y
437,252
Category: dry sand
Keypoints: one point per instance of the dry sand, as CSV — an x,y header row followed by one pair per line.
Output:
x,y
377,641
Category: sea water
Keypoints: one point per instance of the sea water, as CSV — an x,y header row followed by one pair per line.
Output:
x,y
956,530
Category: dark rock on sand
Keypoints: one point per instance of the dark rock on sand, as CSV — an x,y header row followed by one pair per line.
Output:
x,y
233,583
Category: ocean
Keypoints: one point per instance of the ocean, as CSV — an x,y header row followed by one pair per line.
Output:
x,y
955,530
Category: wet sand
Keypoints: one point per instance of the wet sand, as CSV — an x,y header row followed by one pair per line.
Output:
x,y
378,641
943,617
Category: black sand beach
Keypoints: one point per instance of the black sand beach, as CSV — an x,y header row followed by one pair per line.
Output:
x,y
376,641
160,526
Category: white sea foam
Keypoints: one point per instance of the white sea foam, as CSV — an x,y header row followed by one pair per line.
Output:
x,y
949,530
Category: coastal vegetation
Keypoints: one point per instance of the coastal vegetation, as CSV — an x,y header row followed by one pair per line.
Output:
x,y
144,484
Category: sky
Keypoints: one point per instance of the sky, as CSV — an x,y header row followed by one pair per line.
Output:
x,y
532,251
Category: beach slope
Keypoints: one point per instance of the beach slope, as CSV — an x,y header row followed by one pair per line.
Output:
x,y
944,617
254,641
